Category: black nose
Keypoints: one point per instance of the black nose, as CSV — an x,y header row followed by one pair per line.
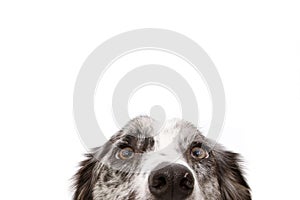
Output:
x,y
171,181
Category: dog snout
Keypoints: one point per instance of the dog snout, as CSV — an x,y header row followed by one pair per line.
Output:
x,y
171,181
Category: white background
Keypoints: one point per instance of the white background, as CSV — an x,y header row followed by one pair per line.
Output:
x,y
255,46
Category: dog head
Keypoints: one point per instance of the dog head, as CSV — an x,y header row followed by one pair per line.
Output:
x,y
173,162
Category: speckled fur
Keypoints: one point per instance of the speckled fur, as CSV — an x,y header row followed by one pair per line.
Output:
x,y
103,176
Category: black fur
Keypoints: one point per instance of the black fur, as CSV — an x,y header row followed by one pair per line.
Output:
x,y
233,185
85,179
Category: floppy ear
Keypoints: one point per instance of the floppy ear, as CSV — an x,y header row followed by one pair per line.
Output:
x,y
233,185
85,179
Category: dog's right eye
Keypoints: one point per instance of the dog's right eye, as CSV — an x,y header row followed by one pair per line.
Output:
x,y
126,153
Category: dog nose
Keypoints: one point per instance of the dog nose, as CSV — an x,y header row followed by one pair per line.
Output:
x,y
171,181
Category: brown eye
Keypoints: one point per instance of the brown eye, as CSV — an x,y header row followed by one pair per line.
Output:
x,y
198,153
126,153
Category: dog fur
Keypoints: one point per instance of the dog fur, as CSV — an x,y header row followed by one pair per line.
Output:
x,y
104,176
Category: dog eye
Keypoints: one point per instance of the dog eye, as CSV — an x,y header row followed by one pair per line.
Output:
x,y
126,153
198,153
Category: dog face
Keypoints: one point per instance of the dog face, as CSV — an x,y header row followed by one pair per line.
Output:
x,y
146,161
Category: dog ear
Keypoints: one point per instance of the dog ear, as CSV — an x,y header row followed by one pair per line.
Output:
x,y
85,179
233,185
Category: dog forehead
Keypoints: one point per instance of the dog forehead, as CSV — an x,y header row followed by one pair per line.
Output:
x,y
177,132
149,127
140,126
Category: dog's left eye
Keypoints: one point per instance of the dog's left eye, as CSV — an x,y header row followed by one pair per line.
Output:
x,y
198,153
126,153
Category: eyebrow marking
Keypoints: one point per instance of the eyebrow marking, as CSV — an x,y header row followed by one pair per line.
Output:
x,y
139,143
129,139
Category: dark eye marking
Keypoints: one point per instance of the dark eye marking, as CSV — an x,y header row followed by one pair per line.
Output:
x,y
148,144
138,144
129,139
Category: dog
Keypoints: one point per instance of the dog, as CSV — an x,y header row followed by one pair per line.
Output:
x,y
147,161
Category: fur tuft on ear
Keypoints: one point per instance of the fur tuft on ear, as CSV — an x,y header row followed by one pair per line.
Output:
x,y
233,185
85,179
